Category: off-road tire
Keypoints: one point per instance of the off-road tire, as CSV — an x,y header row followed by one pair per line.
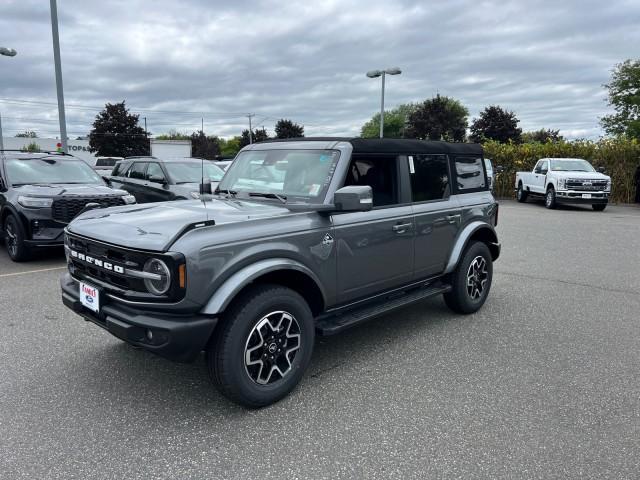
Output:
x,y
226,353
550,198
14,240
599,207
459,298
521,194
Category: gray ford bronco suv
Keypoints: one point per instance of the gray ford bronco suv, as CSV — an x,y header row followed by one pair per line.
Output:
x,y
301,237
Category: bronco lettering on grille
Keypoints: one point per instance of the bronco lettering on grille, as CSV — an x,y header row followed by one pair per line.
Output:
x,y
97,262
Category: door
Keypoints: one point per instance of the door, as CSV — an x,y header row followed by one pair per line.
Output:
x,y
135,180
540,176
156,188
437,214
374,248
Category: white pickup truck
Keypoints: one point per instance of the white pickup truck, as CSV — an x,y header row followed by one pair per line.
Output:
x,y
564,180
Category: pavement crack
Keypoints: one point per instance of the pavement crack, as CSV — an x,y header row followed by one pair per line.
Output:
x,y
567,282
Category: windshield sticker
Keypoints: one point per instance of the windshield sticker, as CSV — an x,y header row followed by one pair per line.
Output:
x,y
315,189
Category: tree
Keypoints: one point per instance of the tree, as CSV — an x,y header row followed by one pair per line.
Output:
x,y
203,146
395,122
173,135
229,148
287,129
259,135
624,97
542,136
496,123
27,134
116,133
438,118
33,147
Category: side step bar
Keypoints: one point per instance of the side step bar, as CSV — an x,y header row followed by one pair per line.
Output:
x,y
330,324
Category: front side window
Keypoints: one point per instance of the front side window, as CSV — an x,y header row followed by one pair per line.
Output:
x,y
49,171
469,173
192,172
380,172
119,169
155,173
137,170
429,177
301,174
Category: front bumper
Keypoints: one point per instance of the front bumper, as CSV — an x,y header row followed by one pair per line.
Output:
x,y
177,337
572,196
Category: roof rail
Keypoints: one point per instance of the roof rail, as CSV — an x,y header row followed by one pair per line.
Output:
x,y
48,152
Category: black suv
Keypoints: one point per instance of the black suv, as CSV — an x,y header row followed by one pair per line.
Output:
x,y
40,193
151,179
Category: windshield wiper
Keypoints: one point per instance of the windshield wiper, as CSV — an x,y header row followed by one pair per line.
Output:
x,y
229,193
282,198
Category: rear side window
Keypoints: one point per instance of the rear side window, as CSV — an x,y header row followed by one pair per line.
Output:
x,y
469,174
137,170
105,162
429,177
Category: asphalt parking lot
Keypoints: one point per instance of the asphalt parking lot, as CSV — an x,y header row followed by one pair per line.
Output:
x,y
543,382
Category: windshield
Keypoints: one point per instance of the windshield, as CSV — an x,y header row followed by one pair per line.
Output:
x,y
191,172
572,165
49,171
304,174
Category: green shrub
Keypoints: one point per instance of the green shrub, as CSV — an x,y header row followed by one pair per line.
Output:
x,y
619,157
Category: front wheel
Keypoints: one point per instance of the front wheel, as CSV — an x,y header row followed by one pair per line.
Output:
x,y
263,347
599,207
550,198
471,281
14,240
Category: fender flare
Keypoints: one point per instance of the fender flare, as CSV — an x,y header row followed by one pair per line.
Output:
x,y
463,240
243,277
11,211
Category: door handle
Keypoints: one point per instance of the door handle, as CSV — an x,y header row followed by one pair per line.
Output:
x,y
453,218
401,228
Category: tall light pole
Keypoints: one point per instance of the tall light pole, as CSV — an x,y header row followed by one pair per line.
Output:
x,y
56,61
383,73
7,52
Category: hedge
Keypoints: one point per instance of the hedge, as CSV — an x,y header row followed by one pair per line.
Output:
x,y
619,158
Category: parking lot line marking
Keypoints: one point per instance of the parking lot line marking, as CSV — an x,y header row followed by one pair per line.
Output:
x,y
2,275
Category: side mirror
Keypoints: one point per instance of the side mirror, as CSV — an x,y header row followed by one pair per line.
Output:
x,y
602,170
354,198
543,172
157,179
499,169
106,179
205,186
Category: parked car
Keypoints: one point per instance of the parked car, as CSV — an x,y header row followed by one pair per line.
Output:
x,y
104,165
152,179
564,180
224,164
40,193
303,237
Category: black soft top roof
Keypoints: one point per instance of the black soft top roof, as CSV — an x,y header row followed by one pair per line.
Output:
x,y
396,145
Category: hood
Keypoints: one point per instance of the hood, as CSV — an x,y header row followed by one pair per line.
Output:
x,y
154,226
586,175
56,190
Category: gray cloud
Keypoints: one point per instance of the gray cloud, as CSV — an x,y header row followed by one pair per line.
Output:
x,y
544,60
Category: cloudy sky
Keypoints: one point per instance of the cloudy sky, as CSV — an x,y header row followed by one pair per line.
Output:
x,y
175,62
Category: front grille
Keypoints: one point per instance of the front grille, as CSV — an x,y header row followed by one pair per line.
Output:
x,y
586,185
66,209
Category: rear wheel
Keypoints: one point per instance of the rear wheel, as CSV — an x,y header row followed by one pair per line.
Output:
x,y
550,198
14,237
471,280
264,346
521,195
599,207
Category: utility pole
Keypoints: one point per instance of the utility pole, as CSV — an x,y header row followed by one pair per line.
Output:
x,y
202,125
1,140
58,66
250,132
7,52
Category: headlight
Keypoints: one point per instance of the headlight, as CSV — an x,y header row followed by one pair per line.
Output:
x,y
608,187
195,195
562,183
161,284
128,199
35,202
